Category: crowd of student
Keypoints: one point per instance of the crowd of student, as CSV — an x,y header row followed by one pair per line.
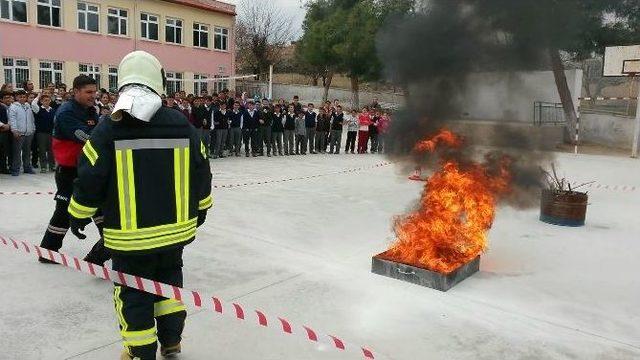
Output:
x,y
229,125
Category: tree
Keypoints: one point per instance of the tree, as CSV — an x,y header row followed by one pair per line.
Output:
x,y
262,32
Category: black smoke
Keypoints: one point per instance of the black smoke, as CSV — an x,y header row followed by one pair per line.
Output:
x,y
431,54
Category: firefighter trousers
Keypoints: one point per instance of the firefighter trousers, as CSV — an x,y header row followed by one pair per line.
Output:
x,y
146,319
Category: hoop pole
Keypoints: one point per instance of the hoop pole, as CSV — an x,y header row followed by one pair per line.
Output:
x,y
636,133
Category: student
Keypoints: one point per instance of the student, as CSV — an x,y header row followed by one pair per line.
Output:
x,y
23,127
200,118
6,98
297,106
322,130
264,134
301,133
290,128
383,128
221,126
373,131
250,122
277,129
311,122
337,119
352,130
364,120
44,115
235,128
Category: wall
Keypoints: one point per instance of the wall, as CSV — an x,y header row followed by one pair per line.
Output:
x,y
607,130
314,94
510,96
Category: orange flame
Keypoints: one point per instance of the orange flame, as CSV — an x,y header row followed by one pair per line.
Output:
x,y
456,210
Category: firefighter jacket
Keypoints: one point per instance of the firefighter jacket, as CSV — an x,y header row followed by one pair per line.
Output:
x,y
149,178
72,125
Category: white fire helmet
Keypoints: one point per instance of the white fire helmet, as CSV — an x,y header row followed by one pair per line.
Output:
x,y
140,67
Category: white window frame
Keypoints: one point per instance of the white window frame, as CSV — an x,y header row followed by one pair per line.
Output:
x,y
200,83
113,78
118,16
146,23
86,13
171,22
11,16
174,82
218,31
200,28
50,4
55,69
11,64
91,70
220,85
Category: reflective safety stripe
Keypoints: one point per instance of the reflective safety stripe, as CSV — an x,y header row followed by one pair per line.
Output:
x,y
153,243
90,152
126,189
139,144
145,233
119,305
205,203
80,211
168,306
181,180
139,338
203,150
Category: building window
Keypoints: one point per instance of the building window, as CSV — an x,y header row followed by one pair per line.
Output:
x,y
200,83
221,39
113,78
173,31
16,71
174,82
50,72
91,70
49,12
88,17
149,26
117,21
14,10
200,35
220,85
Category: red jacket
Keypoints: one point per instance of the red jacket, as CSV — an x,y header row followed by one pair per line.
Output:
x,y
72,125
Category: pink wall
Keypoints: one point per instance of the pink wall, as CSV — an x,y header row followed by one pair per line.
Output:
x,y
52,44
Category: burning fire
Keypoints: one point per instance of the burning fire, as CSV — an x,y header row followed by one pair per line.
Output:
x,y
456,210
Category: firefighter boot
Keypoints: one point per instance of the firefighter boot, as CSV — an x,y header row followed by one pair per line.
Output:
x,y
170,351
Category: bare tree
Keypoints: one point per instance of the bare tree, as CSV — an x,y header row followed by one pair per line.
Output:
x,y
262,32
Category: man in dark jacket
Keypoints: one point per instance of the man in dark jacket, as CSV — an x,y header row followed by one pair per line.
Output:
x,y
277,129
200,118
221,126
6,98
74,121
266,121
310,122
250,122
337,120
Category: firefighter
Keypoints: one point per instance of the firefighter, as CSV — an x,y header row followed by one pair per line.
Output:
x,y
73,123
147,169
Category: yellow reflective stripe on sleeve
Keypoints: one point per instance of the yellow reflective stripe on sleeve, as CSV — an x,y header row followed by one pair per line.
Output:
x,y
203,150
205,203
181,181
139,338
90,152
154,243
80,211
168,306
126,189
150,232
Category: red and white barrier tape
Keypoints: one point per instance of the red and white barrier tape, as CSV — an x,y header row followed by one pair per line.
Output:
x,y
386,163
622,188
277,324
229,186
608,98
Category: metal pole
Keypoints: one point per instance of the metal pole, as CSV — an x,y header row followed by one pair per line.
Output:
x,y
270,82
636,133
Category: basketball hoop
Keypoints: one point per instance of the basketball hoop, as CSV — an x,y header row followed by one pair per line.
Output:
x,y
631,67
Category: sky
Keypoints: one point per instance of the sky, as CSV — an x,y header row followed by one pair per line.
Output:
x,y
289,7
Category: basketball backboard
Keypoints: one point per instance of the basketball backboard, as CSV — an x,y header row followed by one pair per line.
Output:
x,y
621,61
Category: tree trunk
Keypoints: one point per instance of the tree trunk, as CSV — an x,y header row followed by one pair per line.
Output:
x,y
355,92
327,85
564,93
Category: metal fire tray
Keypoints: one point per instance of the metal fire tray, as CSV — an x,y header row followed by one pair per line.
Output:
x,y
443,282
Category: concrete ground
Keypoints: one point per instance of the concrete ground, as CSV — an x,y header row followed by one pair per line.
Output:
x,y
302,249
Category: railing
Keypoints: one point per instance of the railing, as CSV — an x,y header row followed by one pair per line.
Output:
x,y
547,113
